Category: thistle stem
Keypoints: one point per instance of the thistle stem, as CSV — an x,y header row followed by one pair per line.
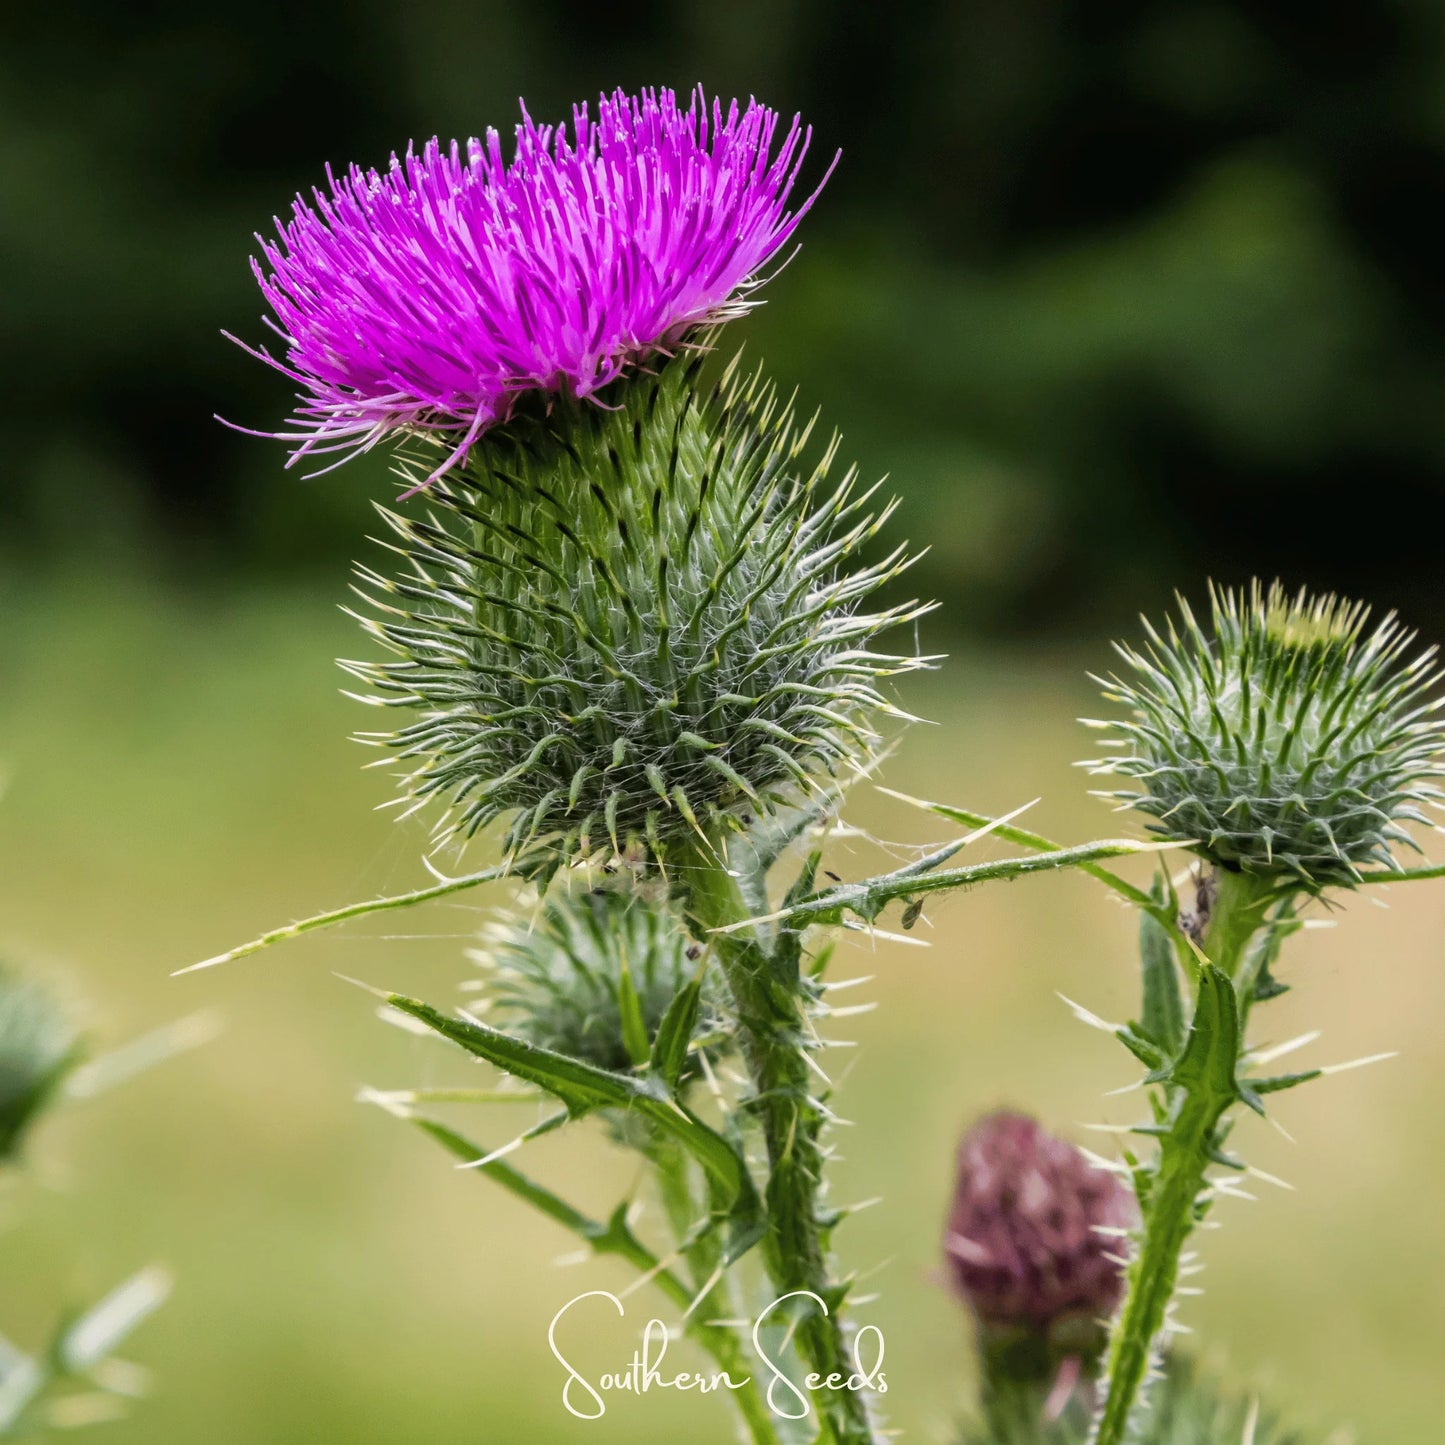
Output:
x,y
1155,1271
703,1255
867,900
1021,1378
770,1001
1199,1090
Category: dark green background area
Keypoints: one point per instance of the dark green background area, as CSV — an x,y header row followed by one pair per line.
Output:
x,y
1120,295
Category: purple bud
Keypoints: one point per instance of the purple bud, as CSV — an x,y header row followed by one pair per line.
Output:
x,y
1033,1226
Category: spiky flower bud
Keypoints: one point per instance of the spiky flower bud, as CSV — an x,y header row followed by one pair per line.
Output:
x,y
1034,1233
592,974
1286,741
38,1047
631,622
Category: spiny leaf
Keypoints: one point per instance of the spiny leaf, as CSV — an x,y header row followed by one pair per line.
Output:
x,y
1163,1006
634,1027
534,865
1211,1050
1002,828
674,1034
615,1236
1280,1082
583,1087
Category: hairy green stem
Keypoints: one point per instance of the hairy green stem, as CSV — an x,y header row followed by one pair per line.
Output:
x,y
1199,1089
1026,838
770,999
703,1253
1155,1271
867,900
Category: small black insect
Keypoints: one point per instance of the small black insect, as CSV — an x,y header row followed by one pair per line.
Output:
x,y
912,912
829,874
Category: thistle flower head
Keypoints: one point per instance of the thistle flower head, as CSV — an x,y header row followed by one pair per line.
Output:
x,y
593,973
38,1047
1288,740
429,297
633,624
1024,1234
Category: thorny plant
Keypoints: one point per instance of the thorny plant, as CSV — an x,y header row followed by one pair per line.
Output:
x,y
628,622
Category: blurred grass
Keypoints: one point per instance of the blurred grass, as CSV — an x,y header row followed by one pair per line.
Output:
x,y
180,779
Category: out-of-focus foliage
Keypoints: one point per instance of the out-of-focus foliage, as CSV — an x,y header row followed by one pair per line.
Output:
x,y
1119,295
38,1046
76,1380
1187,1408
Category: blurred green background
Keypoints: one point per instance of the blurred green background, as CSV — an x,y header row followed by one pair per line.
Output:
x,y
1121,297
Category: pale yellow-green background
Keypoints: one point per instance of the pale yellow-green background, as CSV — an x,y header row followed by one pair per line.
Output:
x,y
179,779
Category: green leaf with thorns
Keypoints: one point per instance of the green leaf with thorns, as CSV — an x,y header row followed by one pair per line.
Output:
x,y
583,1088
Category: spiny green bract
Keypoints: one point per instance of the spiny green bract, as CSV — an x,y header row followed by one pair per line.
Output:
x,y
634,622
38,1047
1287,741
1186,1408
591,962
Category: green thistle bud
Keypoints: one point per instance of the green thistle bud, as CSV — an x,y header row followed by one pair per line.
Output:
x,y
632,622
38,1047
593,973
1286,742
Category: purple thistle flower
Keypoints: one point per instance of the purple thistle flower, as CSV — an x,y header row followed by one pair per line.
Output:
x,y
430,297
1024,1237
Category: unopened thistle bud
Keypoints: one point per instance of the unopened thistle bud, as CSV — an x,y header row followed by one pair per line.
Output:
x,y
592,974
38,1047
1035,1233
1287,740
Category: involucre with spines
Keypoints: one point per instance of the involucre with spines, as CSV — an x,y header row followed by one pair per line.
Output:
x,y
567,977
632,620
1286,741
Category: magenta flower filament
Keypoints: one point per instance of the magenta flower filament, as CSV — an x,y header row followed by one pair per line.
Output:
x,y
429,297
